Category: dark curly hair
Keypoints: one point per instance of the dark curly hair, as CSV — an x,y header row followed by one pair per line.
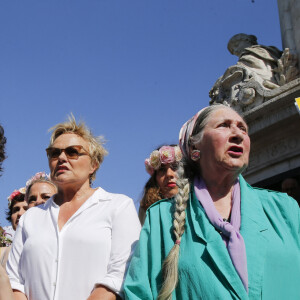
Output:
x,y
18,198
2,148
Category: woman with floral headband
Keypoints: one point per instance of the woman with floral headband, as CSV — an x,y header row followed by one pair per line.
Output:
x,y
162,166
218,238
17,206
39,188
77,244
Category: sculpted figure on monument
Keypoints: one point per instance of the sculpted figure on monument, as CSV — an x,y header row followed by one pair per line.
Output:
x,y
260,69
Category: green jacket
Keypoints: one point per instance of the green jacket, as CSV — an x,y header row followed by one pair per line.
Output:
x,y
270,227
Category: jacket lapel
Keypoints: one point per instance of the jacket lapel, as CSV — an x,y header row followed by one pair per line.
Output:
x,y
254,230
216,248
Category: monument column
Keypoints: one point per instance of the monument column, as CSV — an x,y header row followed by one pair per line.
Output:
x,y
289,16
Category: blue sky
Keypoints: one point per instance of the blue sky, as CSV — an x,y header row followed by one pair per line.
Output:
x,y
133,70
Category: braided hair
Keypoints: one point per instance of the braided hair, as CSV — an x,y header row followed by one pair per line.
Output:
x,y
185,177
170,265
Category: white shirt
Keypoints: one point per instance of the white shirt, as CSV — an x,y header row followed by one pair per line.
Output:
x,y
93,247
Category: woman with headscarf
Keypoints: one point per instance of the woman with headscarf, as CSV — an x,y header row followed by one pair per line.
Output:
x,y
162,165
219,238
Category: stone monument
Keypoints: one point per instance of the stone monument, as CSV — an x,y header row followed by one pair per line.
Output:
x,y
256,77
289,16
263,86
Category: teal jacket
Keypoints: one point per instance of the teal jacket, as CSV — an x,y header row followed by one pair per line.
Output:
x,y
270,227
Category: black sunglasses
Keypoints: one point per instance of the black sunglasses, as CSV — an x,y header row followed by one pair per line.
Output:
x,y
72,152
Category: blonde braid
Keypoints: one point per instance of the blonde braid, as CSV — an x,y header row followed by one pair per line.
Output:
x,y
170,265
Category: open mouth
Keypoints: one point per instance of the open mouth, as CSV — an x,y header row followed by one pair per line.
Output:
x,y
235,150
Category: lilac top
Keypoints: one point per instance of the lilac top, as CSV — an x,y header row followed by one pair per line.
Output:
x,y
231,230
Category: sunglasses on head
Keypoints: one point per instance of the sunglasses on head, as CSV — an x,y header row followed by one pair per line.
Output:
x,y
72,152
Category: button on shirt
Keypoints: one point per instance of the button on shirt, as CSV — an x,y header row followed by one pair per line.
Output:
x,y
92,248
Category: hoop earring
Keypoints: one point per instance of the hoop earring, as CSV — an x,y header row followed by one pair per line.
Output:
x,y
195,155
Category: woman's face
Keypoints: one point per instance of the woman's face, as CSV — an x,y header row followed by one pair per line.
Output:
x,y
17,211
166,180
65,170
39,193
225,144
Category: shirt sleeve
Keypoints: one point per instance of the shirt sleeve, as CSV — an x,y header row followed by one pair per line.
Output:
x,y
13,263
137,283
125,233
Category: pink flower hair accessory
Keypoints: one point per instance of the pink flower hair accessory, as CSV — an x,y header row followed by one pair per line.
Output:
x,y
15,193
165,155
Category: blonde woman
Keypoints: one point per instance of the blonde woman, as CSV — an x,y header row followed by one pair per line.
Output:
x,y
219,238
86,236
39,188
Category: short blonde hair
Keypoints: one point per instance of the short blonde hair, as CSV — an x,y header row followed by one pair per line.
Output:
x,y
96,149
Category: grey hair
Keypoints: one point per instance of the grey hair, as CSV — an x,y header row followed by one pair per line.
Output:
x,y
170,264
201,122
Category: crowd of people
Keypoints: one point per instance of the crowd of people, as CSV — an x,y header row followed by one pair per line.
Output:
x,y
206,233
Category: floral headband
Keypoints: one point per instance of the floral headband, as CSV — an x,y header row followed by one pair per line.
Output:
x,y
38,176
15,193
165,155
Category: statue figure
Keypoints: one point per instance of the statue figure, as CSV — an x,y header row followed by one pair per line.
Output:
x,y
258,59
259,70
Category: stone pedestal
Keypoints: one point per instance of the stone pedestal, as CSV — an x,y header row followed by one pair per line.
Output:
x,y
274,128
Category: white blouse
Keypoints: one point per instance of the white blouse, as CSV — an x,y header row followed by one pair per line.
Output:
x,y
92,248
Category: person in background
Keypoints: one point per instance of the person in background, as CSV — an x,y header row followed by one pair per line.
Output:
x,y
5,289
87,235
292,188
162,165
2,148
39,188
5,242
17,206
218,238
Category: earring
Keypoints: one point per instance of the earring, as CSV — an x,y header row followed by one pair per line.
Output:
x,y
195,155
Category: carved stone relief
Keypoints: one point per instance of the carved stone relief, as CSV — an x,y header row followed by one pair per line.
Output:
x,y
259,75
275,152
